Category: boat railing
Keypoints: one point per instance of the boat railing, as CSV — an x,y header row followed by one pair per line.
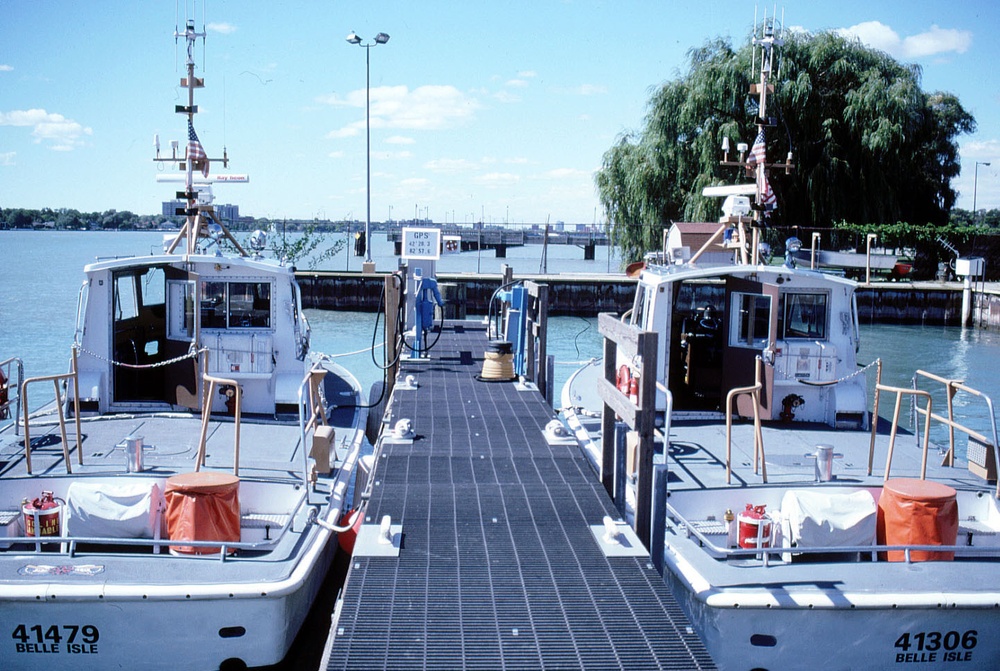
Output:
x,y
231,387
766,555
986,453
916,395
70,377
70,545
758,437
312,415
13,366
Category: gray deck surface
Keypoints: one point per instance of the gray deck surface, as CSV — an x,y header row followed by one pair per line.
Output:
x,y
498,567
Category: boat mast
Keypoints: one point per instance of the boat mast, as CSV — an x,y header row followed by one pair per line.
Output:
x,y
757,160
197,214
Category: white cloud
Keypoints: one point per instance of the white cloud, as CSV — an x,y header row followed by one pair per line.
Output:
x,y
565,173
590,90
507,97
431,107
399,139
414,181
222,28
449,165
60,133
498,179
517,83
7,157
935,41
527,74
981,150
6,68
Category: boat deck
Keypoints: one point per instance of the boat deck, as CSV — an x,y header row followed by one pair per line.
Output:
x,y
498,562
274,503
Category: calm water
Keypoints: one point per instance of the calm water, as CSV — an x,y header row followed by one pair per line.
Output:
x,y
42,274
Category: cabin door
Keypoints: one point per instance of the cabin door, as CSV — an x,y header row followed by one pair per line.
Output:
x,y
139,333
181,377
751,326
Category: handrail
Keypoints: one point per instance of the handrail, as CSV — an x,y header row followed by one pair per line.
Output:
x,y
69,543
5,388
72,375
899,391
704,539
758,436
952,386
206,415
317,412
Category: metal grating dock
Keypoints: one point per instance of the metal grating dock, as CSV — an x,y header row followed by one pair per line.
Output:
x,y
498,567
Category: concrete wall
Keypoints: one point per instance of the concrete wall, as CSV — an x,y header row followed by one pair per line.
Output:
x,y
883,302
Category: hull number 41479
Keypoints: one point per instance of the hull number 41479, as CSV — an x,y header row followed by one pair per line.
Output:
x,y
56,639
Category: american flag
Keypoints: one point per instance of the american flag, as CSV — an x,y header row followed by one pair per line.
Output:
x,y
767,197
757,152
195,152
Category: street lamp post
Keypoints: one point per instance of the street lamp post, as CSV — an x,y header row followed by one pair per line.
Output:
x,y
381,38
975,186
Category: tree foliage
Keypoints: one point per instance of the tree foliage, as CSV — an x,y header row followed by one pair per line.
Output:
x,y
868,144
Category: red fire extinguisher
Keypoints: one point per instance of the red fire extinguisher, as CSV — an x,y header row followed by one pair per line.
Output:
x,y
624,379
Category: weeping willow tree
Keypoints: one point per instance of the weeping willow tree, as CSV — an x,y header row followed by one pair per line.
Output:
x,y
868,144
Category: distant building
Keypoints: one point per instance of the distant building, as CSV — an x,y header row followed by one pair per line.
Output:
x,y
229,214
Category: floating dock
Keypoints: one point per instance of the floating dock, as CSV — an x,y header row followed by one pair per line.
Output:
x,y
497,556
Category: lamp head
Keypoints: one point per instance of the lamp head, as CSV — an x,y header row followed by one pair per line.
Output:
x,y
353,38
381,38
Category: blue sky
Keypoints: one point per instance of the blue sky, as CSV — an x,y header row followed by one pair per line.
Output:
x,y
499,109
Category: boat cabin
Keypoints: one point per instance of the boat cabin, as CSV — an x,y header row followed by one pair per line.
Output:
x,y
714,323
143,321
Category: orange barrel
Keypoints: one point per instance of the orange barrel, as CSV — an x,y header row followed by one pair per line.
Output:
x,y
202,506
917,512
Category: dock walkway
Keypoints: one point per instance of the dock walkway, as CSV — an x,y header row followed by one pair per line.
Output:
x,y
498,565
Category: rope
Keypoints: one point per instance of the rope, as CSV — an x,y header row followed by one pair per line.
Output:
x,y
839,380
354,353
190,355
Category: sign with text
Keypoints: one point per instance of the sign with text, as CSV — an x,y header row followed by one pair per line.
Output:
x,y
421,243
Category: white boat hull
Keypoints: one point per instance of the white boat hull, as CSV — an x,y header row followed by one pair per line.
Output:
x,y
840,636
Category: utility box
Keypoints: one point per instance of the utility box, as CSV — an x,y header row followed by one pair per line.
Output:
x,y
323,450
982,460
973,266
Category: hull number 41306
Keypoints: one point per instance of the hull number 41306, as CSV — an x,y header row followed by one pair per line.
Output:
x,y
936,646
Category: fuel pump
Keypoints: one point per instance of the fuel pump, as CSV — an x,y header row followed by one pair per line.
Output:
x,y
515,325
423,295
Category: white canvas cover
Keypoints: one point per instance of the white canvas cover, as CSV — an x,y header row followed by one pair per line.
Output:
x,y
128,510
818,518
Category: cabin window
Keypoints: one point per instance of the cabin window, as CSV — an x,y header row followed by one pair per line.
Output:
x,y
751,315
235,305
641,307
126,301
803,316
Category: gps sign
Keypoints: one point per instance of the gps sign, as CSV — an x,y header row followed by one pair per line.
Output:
x,y
421,243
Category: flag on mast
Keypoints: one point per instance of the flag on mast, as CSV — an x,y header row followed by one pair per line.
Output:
x,y
757,159
195,152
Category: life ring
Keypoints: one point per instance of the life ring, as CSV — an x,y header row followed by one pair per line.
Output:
x,y
4,396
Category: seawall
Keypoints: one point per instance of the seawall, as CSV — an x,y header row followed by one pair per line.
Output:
x,y
935,303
